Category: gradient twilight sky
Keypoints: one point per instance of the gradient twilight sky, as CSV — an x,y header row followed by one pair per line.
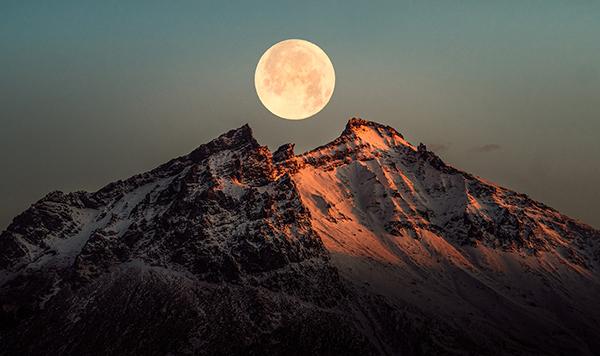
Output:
x,y
93,92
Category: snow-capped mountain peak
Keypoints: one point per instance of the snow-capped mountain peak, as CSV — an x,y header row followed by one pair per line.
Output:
x,y
365,245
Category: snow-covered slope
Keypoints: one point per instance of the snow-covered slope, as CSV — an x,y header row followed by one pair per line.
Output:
x,y
396,218
212,244
366,245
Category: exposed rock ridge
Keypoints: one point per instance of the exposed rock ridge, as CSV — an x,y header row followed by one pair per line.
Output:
x,y
356,122
349,134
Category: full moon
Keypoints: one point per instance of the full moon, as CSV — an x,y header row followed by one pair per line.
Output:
x,y
294,79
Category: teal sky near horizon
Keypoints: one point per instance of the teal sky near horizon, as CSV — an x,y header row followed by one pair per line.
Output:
x,y
95,92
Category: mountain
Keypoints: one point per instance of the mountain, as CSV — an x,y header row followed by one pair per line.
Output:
x,y
364,246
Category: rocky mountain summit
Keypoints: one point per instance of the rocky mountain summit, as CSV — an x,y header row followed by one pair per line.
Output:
x,y
364,246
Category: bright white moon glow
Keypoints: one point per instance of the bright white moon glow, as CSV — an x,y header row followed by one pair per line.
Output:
x,y
294,79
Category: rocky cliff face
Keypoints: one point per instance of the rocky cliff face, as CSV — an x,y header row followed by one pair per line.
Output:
x,y
366,245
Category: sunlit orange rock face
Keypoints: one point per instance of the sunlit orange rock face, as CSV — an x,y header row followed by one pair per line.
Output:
x,y
406,225
403,198
364,246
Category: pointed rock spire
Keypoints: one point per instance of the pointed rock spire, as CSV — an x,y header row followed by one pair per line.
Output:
x,y
356,122
233,139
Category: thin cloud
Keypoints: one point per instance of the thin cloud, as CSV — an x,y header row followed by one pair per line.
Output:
x,y
485,148
439,147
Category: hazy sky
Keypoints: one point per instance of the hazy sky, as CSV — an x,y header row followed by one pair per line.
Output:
x,y
93,92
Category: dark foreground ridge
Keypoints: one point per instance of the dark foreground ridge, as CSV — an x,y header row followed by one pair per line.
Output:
x,y
364,246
